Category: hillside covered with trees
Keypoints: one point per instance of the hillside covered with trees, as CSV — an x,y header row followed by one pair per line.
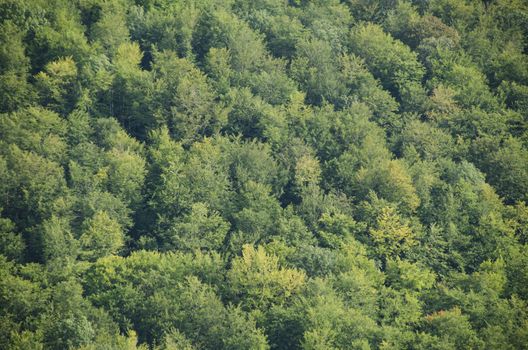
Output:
x,y
271,174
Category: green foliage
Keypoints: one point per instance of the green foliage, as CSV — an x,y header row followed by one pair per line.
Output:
x,y
185,100
391,236
453,328
130,90
36,186
507,160
12,244
57,240
200,229
389,60
331,324
403,274
101,236
263,174
257,281
15,91
37,130
57,85
316,72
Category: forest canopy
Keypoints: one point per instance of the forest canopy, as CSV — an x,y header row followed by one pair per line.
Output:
x,y
272,174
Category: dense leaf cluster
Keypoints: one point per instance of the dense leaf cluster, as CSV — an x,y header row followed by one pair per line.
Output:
x,y
272,174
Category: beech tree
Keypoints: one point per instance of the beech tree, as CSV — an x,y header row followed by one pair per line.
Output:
x,y
263,174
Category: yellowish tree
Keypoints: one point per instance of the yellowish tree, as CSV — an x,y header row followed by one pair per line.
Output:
x,y
256,279
392,235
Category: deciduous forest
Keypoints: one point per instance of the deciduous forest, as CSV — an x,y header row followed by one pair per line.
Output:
x,y
271,174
